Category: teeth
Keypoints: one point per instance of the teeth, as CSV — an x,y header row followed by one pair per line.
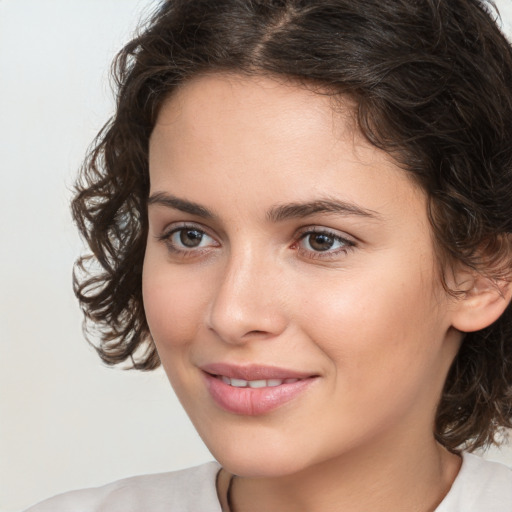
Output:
x,y
239,383
257,383
262,383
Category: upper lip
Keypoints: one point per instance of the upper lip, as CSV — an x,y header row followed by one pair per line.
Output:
x,y
253,371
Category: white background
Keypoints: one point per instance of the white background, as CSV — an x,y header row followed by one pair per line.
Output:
x,y
66,421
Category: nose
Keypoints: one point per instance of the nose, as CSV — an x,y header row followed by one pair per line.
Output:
x,y
248,302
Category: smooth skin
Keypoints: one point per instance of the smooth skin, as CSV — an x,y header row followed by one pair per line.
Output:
x,y
347,289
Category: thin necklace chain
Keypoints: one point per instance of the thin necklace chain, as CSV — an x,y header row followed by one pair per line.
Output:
x,y
228,494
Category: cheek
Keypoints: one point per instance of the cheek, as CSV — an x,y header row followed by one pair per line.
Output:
x,y
173,303
377,328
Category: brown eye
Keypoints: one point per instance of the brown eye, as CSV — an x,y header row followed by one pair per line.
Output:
x,y
190,238
314,243
320,241
187,239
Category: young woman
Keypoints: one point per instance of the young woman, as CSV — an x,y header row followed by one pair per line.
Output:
x,y
303,211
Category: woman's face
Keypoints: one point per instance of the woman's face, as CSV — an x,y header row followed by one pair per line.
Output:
x,y
290,282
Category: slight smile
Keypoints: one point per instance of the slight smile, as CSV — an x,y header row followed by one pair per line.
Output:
x,y
253,390
262,383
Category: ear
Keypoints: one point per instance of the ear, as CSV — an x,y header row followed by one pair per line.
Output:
x,y
482,303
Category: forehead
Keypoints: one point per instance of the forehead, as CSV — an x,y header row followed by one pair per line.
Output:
x,y
228,112
269,137
260,106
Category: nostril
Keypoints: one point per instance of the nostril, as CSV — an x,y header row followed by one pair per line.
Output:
x,y
237,317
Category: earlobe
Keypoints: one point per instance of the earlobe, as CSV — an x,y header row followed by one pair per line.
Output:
x,y
481,304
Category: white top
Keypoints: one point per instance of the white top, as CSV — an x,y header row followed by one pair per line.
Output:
x,y
480,486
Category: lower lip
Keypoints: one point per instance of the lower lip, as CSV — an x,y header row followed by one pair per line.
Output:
x,y
253,401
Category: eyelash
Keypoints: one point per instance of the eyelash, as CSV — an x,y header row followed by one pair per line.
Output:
x,y
345,244
166,237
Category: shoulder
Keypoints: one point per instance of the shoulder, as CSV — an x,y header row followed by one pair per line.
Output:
x,y
187,490
480,485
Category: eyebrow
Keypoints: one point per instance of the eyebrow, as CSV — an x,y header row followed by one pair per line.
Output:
x,y
170,201
301,210
276,214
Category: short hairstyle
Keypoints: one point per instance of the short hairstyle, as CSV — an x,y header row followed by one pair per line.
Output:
x,y
431,82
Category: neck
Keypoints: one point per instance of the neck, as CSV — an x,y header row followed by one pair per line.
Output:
x,y
415,480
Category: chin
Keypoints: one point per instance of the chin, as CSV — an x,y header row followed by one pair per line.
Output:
x,y
268,468
259,459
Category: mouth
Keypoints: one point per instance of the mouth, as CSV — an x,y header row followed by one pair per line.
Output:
x,y
254,384
254,390
253,373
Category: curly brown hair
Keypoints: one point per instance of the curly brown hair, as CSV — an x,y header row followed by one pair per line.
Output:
x,y
432,81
